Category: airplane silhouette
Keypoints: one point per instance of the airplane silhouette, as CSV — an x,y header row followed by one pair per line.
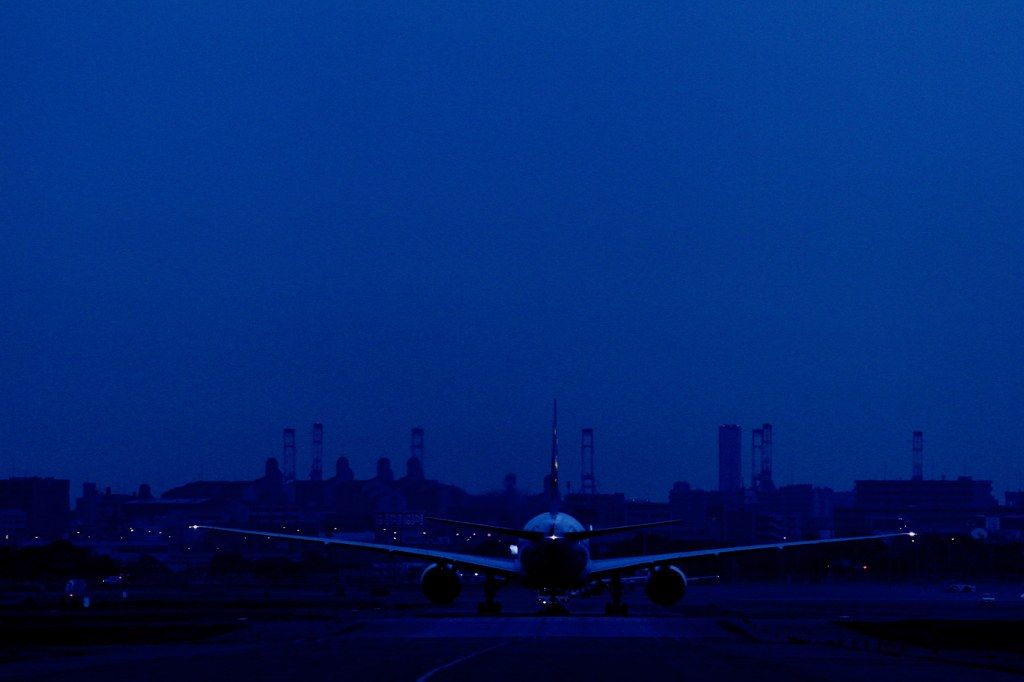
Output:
x,y
553,558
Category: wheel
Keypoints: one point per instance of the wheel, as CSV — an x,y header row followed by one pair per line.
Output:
x,y
481,608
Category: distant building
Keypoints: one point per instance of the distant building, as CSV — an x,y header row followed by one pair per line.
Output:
x,y
600,511
96,511
699,513
34,508
935,506
729,457
804,511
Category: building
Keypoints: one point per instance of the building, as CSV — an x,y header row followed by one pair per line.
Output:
x,y
729,457
806,512
933,506
34,507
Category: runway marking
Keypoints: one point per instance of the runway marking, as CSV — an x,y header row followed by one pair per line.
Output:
x,y
405,629
460,660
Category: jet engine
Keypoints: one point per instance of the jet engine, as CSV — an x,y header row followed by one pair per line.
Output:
x,y
441,584
665,586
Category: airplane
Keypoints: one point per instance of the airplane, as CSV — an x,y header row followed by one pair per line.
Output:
x,y
553,558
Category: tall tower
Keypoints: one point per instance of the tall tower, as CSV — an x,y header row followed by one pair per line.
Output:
x,y
417,445
588,484
918,456
756,450
766,458
289,456
316,473
729,457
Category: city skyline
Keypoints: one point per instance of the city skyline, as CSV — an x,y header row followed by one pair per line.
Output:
x,y
365,469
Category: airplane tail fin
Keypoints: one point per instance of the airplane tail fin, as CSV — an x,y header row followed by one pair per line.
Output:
x,y
554,462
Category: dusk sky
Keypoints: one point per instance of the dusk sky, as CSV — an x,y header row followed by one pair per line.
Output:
x,y
221,219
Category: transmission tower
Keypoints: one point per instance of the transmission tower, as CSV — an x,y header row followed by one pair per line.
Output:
x,y
588,481
316,473
918,473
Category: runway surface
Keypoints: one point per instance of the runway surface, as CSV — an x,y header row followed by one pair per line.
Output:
x,y
774,634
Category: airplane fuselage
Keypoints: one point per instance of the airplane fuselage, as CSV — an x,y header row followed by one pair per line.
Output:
x,y
553,561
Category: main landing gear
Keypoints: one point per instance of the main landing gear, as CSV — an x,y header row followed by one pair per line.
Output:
x,y
489,607
616,608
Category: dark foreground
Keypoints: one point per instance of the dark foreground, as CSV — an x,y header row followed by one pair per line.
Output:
x,y
762,632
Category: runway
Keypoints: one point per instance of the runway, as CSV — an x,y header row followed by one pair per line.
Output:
x,y
529,649
728,634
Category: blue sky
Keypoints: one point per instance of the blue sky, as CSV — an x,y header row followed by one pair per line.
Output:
x,y
224,219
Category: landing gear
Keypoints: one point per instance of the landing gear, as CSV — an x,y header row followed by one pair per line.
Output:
x,y
489,607
616,608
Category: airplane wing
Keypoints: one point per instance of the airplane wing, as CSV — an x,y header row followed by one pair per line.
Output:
x,y
521,534
605,568
505,568
535,535
587,534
